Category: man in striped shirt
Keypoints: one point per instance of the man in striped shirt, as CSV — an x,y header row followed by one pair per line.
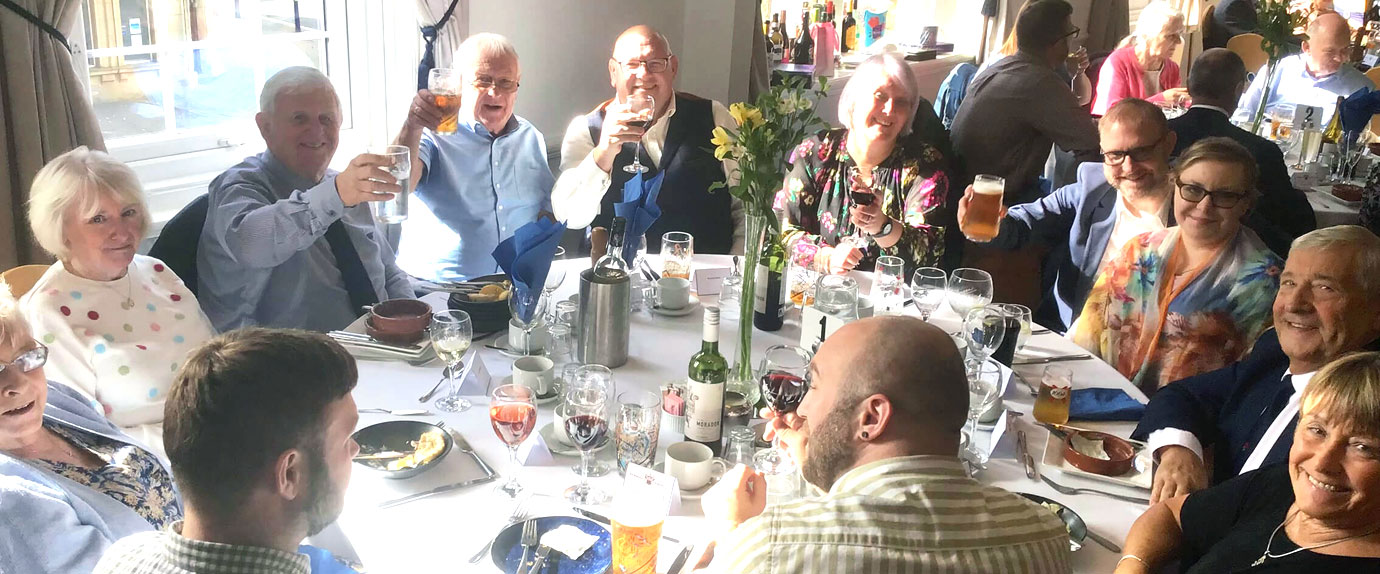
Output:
x,y
877,433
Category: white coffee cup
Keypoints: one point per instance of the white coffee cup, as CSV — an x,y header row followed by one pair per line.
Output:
x,y
693,465
672,292
520,341
558,427
536,373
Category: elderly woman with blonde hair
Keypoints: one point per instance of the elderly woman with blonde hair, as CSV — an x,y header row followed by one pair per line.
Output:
x,y
1143,66
1320,512
119,324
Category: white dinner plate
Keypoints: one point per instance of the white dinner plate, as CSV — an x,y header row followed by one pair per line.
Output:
x,y
1138,477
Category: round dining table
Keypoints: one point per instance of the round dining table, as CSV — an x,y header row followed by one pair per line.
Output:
x,y
441,533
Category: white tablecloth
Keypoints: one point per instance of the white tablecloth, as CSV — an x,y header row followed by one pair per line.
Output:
x,y
1332,210
438,534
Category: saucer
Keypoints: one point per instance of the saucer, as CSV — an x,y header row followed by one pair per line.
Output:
x,y
548,434
681,312
541,400
691,494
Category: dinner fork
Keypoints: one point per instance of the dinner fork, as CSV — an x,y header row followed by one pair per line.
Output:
x,y
529,539
519,513
1061,489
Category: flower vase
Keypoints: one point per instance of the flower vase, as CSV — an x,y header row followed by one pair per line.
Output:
x,y
1264,97
754,232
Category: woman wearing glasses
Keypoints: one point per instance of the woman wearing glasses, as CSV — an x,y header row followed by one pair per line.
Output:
x,y
1191,298
1143,67
70,482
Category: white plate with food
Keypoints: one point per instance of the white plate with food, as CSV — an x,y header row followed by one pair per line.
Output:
x,y
1137,477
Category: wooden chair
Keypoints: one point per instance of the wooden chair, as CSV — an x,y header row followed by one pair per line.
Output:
x,y
1248,47
22,278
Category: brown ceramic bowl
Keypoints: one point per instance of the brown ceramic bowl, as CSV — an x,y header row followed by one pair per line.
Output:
x,y
1347,191
399,320
1121,452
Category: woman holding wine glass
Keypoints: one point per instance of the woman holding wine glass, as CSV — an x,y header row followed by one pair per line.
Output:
x,y
513,414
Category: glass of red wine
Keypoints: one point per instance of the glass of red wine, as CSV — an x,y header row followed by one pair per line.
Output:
x,y
513,413
645,107
782,377
586,423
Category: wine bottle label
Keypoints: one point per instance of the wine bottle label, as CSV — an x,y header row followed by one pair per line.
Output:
x,y
704,411
760,294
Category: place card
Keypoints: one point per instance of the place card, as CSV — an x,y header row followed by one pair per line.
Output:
x,y
534,452
639,476
1307,117
708,281
477,381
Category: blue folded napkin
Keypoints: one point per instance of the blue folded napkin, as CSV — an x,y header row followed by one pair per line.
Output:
x,y
1101,404
526,258
639,208
1358,108
323,562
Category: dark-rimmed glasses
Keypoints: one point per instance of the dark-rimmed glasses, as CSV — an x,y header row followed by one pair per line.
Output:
x,y
29,360
1140,154
1072,33
1220,198
653,66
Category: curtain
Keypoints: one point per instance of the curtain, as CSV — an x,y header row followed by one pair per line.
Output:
x,y
1108,22
44,112
450,37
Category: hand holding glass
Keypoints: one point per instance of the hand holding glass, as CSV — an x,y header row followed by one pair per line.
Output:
x,y
645,106
400,167
444,85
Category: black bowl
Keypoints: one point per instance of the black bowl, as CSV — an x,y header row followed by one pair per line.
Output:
x,y
397,436
1078,530
485,317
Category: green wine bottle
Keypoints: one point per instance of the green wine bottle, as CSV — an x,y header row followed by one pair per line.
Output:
x,y
707,374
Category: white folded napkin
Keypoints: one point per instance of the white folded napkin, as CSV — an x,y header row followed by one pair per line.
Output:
x,y
569,540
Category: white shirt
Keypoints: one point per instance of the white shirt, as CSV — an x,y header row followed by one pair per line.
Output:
x,y
1179,437
576,197
1130,224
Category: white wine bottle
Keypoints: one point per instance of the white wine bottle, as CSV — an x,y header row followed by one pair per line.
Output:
x,y
707,374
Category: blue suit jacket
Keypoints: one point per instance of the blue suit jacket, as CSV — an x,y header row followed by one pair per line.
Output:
x,y
1076,221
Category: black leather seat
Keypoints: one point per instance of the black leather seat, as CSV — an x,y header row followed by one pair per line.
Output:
x,y
177,243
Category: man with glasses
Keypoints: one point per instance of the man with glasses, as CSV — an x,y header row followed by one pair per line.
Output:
x,y
1314,78
599,145
480,183
1128,194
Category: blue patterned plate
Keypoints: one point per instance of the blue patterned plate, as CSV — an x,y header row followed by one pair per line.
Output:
x,y
507,549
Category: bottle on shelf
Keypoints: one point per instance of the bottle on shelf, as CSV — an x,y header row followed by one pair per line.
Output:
x,y
849,32
1333,133
803,50
708,374
785,39
776,41
769,308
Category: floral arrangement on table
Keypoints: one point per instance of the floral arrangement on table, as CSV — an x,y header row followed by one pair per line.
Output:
x,y
768,130
1278,25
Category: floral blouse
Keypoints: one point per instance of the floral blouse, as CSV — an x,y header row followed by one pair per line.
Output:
x,y
131,475
816,203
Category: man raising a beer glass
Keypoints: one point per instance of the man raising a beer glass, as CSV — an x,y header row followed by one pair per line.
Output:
x,y
1125,195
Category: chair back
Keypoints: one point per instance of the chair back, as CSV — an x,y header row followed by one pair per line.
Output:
x,y
1248,47
21,279
177,243
1208,28
952,92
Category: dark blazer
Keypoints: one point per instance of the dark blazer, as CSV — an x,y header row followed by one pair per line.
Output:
x,y
1228,409
1282,213
1232,17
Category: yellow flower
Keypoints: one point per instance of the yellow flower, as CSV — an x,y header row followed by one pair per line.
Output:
x,y
723,141
745,115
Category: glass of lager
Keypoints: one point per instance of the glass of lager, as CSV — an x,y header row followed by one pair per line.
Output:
x,y
983,218
639,513
444,85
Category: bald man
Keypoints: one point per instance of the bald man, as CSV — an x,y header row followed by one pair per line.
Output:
x,y
1126,195
1314,78
599,145
878,432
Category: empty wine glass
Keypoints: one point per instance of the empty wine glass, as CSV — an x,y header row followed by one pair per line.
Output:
x,y
888,285
983,329
984,381
525,305
586,423
554,277
927,287
513,414
645,106
968,288
451,333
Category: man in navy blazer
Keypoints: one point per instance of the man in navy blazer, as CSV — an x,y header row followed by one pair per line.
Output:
x,y
1328,305
1111,202
1281,213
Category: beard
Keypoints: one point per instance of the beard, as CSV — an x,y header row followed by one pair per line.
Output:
x,y
829,453
325,501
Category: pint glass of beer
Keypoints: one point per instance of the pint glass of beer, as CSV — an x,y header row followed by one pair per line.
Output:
x,y
638,516
444,84
984,211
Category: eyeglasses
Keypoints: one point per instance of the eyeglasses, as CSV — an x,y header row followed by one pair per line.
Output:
x,y
1072,34
653,66
484,83
1219,198
29,360
1143,153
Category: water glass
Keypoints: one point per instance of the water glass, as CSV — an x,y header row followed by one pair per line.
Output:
x,y
968,288
888,285
567,313
983,329
677,251
741,447
400,167
984,384
927,287
837,295
1021,313
639,425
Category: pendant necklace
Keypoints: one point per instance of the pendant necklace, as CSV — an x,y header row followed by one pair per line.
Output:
x,y
1267,555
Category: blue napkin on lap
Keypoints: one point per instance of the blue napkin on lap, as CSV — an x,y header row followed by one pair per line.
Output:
x,y
1102,404
526,257
639,208
1358,108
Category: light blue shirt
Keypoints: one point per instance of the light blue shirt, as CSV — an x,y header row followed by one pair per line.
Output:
x,y
264,259
476,189
1293,84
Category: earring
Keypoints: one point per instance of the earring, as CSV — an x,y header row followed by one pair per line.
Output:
x,y
864,435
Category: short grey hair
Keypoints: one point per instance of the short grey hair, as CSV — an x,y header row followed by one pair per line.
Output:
x,y
480,47
1365,242
1154,18
889,65
14,328
74,183
293,80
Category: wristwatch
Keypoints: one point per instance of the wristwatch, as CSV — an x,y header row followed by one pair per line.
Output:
x,y
885,230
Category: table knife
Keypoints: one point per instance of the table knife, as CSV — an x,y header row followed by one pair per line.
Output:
x,y
437,490
601,519
1026,460
464,447
680,559
361,338
535,568
1043,360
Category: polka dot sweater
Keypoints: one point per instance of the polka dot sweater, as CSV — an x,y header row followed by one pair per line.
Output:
x,y
118,342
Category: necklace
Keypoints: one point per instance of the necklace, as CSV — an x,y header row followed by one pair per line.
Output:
x,y
1269,542
128,303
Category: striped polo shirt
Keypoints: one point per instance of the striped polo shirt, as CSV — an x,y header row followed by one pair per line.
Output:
x,y
902,515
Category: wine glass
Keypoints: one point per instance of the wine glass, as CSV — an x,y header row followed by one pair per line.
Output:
x,y
593,466
586,423
969,288
513,413
983,328
984,380
451,333
554,278
525,305
782,377
645,107
1023,313
888,285
927,290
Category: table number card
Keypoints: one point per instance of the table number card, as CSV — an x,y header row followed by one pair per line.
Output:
x,y
476,382
642,477
534,452
815,326
1307,117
